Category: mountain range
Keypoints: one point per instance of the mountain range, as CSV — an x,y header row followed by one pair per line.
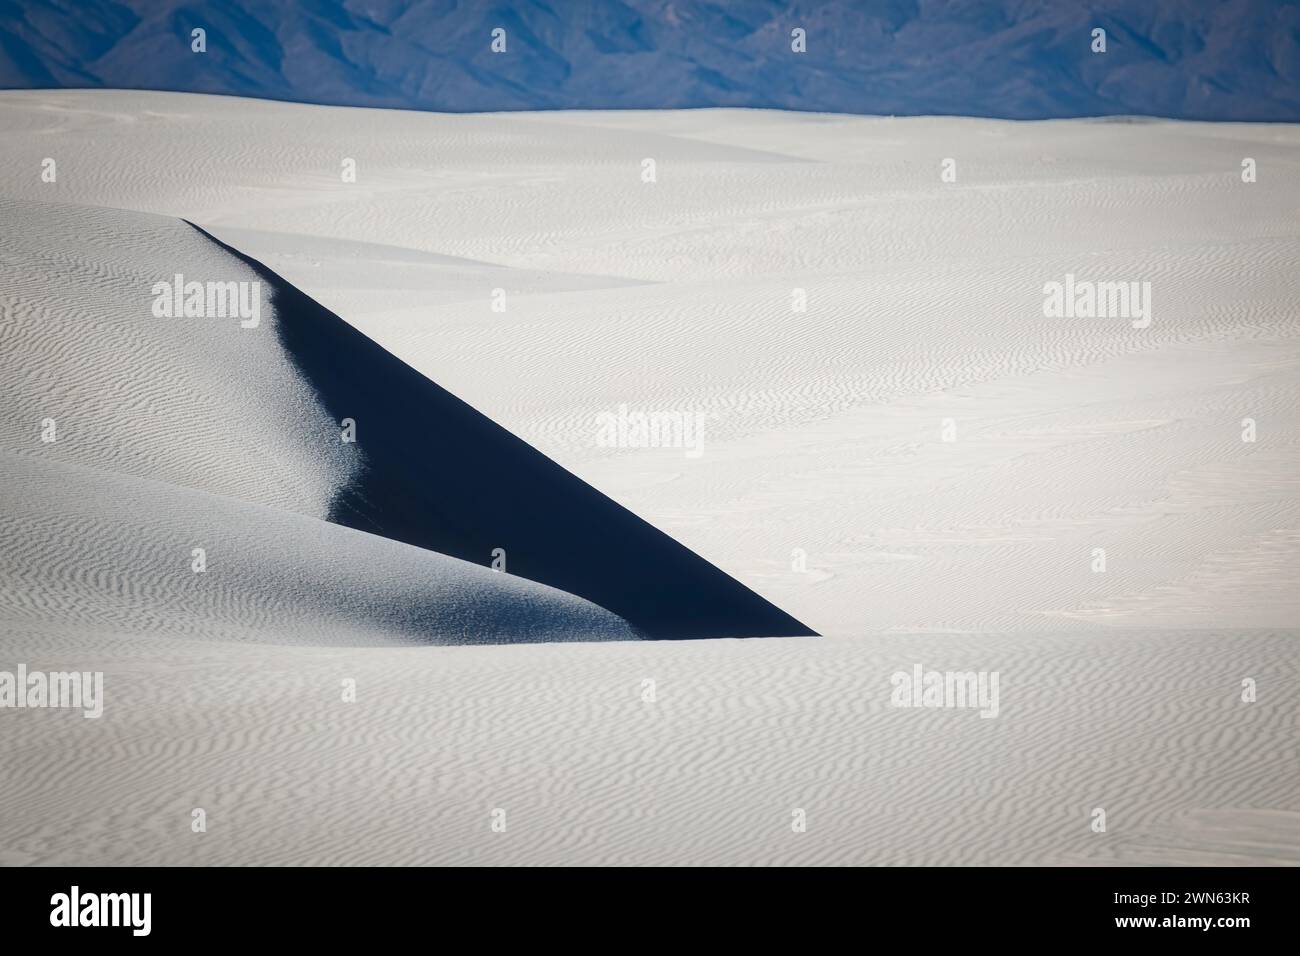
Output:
x,y
1017,59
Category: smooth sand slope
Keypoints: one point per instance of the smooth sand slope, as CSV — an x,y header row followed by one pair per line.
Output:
x,y
171,434
825,484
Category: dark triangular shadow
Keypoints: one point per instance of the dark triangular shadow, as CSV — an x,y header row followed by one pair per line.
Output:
x,y
441,476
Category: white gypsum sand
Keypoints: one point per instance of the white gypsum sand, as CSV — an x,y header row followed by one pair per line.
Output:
x,y
823,432
167,434
1145,725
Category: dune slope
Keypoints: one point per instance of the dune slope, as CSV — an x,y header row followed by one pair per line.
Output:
x,y
90,555
171,476
116,405
440,475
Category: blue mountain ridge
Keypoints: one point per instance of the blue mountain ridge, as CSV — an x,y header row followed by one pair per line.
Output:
x,y
1017,59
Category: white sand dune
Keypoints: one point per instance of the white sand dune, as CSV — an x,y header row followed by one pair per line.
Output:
x,y
423,468
202,403
824,435
93,556
175,434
